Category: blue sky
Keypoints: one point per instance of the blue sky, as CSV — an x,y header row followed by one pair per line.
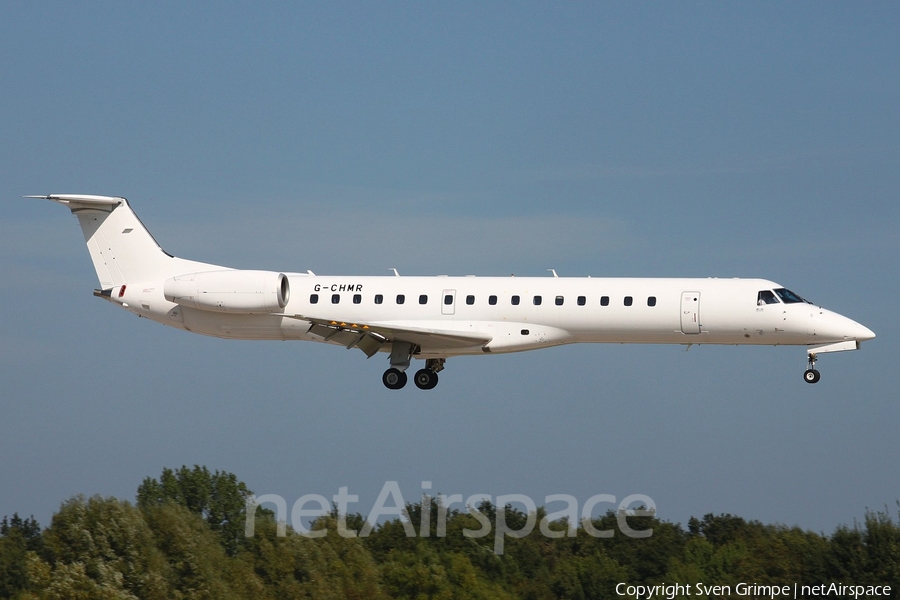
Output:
x,y
598,139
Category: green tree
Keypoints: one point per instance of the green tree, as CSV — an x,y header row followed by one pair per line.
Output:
x,y
882,542
103,544
198,566
847,554
17,537
184,540
219,498
333,566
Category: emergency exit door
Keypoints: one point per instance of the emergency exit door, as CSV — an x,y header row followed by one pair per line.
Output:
x,y
448,302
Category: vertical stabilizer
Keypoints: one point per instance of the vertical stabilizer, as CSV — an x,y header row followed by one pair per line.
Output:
x,y
121,248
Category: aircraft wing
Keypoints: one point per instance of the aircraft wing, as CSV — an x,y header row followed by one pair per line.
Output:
x,y
369,337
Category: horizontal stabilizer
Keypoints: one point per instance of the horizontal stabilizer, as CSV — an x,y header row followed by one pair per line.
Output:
x,y
77,199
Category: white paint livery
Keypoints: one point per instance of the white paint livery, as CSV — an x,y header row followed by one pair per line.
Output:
x,y
434,318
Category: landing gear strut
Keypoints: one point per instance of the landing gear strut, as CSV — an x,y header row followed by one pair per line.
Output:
x,y
811,375
395,377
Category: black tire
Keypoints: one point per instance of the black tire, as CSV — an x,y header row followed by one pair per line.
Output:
x,y
811,376
425,379
393,379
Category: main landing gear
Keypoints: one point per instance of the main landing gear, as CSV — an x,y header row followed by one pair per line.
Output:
x,y
811,375
425,379
395,377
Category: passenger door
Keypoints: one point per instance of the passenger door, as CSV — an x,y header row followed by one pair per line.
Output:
x,y
690,312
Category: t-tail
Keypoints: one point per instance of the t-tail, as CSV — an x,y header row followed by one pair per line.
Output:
x,y
121,248
138,275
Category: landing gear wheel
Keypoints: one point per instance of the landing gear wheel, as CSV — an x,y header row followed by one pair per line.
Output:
x,y
425,379
394,379
810,375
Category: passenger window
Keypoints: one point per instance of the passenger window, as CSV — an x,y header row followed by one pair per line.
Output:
x,y
559,300
537,300
401,298
357,298
492,300
448,299
629,300
582,300
335,298
766,297
604,300
514,300
651,301
379,298
313,298
470,300
423,299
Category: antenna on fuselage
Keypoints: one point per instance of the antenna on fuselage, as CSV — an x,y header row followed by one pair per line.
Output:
x,y
554,272
394,269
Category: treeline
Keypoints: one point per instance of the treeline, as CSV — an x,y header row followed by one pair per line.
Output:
x,y
184,538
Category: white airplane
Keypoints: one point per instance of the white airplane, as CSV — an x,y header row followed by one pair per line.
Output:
x,y
434,318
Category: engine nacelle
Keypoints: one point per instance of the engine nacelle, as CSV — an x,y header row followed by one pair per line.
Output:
x,y
241,292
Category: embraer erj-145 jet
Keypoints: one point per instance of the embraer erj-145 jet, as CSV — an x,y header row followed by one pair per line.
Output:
x,y
434,318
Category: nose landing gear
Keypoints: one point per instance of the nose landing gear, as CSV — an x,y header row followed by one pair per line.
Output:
x,y
811,375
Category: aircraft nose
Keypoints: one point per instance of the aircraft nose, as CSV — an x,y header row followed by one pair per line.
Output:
x,y
839,327
862,333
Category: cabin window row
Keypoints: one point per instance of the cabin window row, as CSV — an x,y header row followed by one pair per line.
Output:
x,y
492,300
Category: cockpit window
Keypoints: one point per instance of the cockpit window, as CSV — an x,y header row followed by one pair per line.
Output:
x,y
766,297
789,297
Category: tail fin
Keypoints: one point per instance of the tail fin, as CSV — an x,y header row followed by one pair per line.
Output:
x,y
121,248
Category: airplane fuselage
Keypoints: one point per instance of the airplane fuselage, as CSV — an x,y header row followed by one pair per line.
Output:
x,y
520,313
434,318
